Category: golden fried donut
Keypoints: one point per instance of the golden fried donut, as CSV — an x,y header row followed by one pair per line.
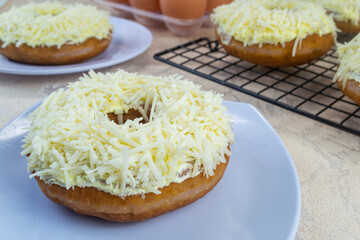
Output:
x,y
66,54
347,26
348,72
51,33
351,90
312,47
128,147
274,33
93,202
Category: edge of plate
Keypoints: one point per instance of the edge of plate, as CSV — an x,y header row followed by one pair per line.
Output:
x,y
293,230
20,116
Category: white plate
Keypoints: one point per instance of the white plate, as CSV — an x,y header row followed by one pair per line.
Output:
x,y
129,40
258,197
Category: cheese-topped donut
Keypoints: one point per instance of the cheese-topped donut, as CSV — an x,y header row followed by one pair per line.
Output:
x,y
127,147
274,33
52,33
346,13
348,73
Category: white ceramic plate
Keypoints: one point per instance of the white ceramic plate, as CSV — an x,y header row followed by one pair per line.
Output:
x,y
258,197
129,40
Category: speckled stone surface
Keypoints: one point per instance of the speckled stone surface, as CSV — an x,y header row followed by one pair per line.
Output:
x,y
327,159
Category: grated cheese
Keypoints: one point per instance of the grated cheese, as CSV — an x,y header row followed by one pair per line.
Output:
x,y
72,142
272,22
349,61
343,10
53,24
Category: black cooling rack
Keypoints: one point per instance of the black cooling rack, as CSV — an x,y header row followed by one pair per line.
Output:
x,y
306,89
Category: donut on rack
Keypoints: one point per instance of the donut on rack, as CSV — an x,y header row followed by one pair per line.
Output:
x,y
127,147
348,73
346,13
51,33
274,33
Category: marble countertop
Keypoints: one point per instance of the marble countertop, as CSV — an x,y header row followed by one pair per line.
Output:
x,y
327,159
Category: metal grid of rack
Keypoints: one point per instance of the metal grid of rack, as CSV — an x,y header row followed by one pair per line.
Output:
x,y
306,89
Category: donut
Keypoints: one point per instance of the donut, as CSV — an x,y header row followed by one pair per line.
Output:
x,y
351,88
126,147
66,54
51,33
347,26
312,47
276,33
348,72
346,13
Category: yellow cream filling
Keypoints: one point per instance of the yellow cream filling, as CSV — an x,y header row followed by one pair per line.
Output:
x,y
278,21
72,142
349,61
343,10
53,24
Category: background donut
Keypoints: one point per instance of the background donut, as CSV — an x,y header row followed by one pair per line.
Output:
x,y
346,13
51,33
348,72
274,33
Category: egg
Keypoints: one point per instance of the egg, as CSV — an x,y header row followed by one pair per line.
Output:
x,y
211,4
184,9
118,12
147,5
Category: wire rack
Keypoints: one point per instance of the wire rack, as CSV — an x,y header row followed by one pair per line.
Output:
x,y
306,89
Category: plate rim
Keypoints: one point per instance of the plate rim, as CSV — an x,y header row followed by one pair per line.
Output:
x,y
38,70
296,220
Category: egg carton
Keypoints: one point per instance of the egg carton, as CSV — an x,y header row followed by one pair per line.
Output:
x,y
180,27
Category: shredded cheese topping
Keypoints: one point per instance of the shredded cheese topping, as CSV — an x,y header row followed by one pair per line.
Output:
x,y
53,24
273,22
72,142
343,10
349,58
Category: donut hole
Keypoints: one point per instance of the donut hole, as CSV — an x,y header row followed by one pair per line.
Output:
x,y
130,115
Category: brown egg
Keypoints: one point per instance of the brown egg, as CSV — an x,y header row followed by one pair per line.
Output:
x,y
118,12
183,9
211,4
147,5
